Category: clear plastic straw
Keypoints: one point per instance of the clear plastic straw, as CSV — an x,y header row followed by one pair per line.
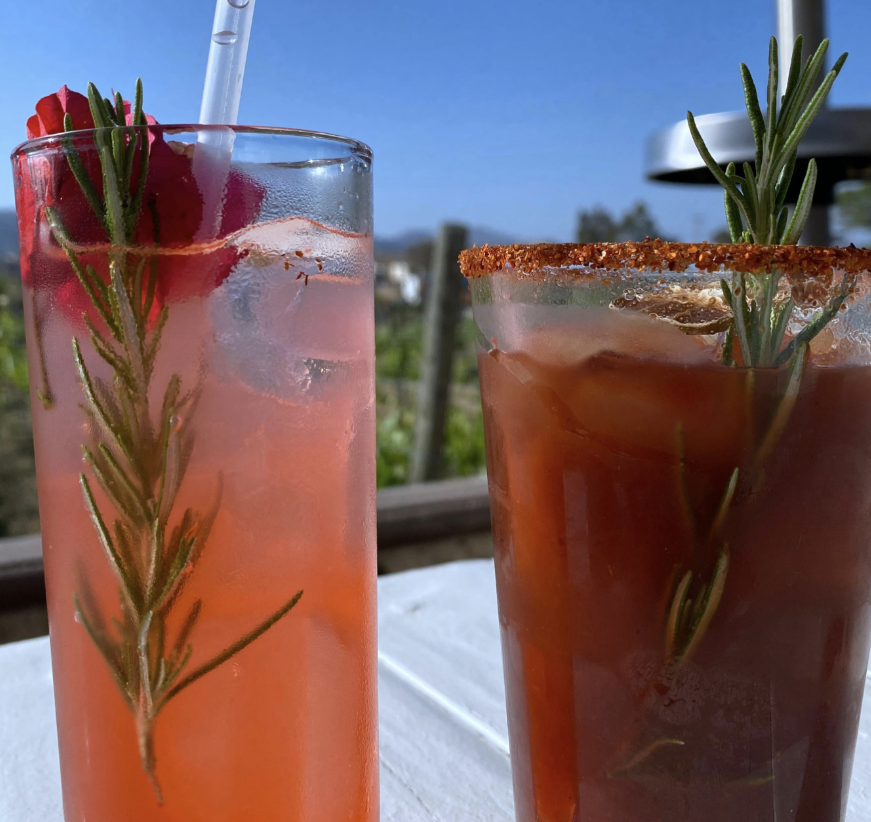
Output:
x,y
226,68
222,92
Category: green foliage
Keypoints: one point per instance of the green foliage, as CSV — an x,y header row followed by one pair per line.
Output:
x,y
394,441
721,235
465,367
18,508
399,344
464,453
13,363
598,225
398,348
854,205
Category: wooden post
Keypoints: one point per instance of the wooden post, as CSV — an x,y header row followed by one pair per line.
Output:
x,y
442,313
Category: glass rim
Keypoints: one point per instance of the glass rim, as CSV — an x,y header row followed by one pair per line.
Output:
x,y
355,147
587,259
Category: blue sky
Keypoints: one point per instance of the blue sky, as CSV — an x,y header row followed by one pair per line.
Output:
x,y
504,114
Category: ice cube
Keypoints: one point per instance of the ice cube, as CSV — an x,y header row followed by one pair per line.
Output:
x,y
587,332
306,246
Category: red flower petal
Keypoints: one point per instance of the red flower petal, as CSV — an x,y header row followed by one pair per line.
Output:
x,y
128,118
51,115
50,111
34,128
77,106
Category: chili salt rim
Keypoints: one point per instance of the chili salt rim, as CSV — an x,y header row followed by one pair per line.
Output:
x,y
657,255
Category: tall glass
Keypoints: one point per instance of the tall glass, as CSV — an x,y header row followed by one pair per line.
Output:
x,y
201,348
683,549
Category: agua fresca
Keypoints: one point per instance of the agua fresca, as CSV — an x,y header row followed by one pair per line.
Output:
x,y
204,430
683,568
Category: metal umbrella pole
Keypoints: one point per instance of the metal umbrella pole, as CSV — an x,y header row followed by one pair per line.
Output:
x,y
807,18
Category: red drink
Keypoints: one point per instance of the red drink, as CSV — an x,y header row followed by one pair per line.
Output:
x,y
683,565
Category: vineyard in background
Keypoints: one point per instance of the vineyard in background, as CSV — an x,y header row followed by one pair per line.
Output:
x,y
399,336
403,273
18,509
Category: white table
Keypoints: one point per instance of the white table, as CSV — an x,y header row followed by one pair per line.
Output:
x,y
444,748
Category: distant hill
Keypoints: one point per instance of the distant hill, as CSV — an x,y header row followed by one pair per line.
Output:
x,y
401,242
478,235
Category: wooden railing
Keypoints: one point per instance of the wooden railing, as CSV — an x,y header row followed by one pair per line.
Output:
x,y
408,514
21,579
432,510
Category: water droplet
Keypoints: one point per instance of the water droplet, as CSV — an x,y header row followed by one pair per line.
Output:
x,y
225,38
238,4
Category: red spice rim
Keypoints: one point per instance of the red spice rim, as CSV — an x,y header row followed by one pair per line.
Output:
x,y
656,255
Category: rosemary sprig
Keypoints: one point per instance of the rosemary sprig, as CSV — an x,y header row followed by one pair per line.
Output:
x,y
755,204
45,394
643,755
139,449
689,616
756,213
691,607
785,406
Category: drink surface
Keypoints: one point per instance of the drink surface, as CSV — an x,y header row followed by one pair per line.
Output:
x,y
612,442
283,451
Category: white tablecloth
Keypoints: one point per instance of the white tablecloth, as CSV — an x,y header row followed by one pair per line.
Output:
x,y
444,738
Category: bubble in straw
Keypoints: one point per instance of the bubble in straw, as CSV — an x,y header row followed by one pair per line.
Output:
x,y
238,4
225,38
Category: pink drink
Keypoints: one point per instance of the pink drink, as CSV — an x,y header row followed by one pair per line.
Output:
x,y
279,357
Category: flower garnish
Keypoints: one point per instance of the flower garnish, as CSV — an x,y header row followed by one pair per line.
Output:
x,y
170,213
